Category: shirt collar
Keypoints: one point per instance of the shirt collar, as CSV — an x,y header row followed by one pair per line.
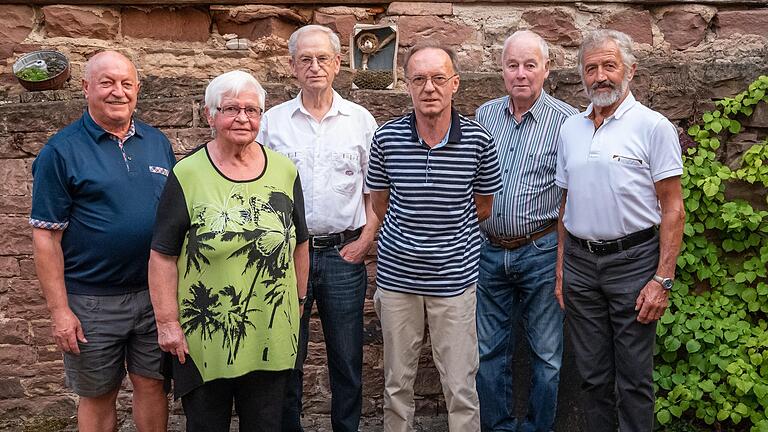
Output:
x,y
97,132
454,133
338,107
625,106
536,110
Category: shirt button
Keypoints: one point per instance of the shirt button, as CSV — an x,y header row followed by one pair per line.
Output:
x,y
498,214
506,171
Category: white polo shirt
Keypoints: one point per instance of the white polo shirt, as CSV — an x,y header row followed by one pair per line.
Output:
x,y
331,156
610,172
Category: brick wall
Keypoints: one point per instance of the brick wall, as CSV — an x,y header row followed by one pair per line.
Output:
x,y
689,54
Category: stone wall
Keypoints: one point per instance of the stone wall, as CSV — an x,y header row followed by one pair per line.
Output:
x,y
689,54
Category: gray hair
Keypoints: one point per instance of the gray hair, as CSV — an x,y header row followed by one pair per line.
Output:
x,y
543,47
433,45
231,84
599,38
293,41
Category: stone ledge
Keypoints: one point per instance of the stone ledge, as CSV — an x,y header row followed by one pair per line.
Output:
x,y
355,2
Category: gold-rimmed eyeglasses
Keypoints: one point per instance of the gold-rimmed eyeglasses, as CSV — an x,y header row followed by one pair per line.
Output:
x,y
437,80
234,111
322,60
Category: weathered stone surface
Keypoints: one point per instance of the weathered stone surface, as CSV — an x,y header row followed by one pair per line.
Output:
x,y
414,29
15,331
32,118
257,21
742,22
16,237
183,24
77,21
682,29
635,23
16,205
260,28
26,268
177,112
26,300
42,332
341,24
759,117
476,89
16,22
418,8
362,14
554,25
14,177
186,140
17,355
9,267
11,388
384,105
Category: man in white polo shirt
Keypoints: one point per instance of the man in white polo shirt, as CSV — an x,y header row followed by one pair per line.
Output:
x,y
620,165
328,138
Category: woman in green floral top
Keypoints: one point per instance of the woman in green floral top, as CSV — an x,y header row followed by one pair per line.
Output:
x,y
228,266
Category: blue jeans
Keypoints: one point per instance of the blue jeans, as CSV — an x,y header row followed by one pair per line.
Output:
x,y
513,284
338,287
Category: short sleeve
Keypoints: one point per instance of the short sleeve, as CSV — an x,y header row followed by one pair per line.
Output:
x,y
561,175
172,221
299,218
51,195
377,178
488,178
263,136
370,129
665,155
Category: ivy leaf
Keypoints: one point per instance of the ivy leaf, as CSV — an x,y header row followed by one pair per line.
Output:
x,y
707,385
672,344
692,346
734,127
707,117
663,416
717,127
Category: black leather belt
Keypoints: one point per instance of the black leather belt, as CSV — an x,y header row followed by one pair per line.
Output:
x,y
605,247
333,240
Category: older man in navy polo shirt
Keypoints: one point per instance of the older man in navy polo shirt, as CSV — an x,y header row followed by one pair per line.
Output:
x,y
96,187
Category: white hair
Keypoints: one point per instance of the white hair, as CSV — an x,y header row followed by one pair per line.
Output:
x,y
231,84
293,41
600,38
543,47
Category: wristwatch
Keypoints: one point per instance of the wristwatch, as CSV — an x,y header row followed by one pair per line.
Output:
x,y
302,300
666,283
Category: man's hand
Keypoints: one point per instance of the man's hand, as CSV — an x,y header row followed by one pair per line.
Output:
x,y
652,302
559,291
355,252
171,339
67,330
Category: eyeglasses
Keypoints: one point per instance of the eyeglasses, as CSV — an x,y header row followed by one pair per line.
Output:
x,y
234,111
322,60
437,80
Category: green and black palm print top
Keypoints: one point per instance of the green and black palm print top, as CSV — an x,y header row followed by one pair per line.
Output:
x,y
238,303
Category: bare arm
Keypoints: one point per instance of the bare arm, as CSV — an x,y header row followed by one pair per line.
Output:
x,y
356,251
379,203
653,299
163,289
560,252
484,204
301,263
49,264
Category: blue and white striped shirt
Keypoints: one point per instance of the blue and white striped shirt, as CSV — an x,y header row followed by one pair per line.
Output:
x,y
527,153
430,241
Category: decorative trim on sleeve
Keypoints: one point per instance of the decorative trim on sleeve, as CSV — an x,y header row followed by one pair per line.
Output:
x,y
55,226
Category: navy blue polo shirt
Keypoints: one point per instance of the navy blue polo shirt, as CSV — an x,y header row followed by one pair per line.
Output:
x,y
104,197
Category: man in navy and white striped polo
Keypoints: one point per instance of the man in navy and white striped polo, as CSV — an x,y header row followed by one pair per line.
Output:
x,y
517,263
432,175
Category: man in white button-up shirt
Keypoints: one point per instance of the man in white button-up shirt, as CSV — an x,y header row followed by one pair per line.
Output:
x,y
620,165
328,138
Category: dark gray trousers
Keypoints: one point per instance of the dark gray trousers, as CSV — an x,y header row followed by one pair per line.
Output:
x,y
614,352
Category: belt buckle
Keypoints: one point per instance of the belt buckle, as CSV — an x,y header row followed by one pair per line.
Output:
x,y
596,243
314,244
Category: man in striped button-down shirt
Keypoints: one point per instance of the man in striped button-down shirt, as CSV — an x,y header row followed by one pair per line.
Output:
x,y
517,262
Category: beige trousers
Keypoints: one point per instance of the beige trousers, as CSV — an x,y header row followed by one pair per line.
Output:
x,y
454,349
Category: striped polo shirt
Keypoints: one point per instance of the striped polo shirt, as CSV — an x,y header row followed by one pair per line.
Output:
x,y
430,240
529,200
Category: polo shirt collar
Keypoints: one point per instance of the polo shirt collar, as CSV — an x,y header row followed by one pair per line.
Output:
x,y
536,110
625,106
96,132
454,133
338,107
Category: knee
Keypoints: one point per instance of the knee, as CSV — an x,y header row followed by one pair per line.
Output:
x,y
142,384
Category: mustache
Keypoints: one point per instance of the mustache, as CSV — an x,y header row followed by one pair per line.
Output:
x,y
603,84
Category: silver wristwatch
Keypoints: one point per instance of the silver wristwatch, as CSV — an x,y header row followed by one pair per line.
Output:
x,y
666,283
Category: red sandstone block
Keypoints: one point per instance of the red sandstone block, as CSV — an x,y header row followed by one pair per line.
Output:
x,y
81,21
415,29
682,29
554,25
635,23
184,24
16,22
743,22
418,8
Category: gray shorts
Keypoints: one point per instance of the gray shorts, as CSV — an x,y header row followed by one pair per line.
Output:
x,y
120,330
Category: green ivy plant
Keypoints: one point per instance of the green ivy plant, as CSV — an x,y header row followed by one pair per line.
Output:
x,y
712,347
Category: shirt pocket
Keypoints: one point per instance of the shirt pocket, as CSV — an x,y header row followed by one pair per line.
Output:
x,y
539,170
346,177
629,175
159,176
